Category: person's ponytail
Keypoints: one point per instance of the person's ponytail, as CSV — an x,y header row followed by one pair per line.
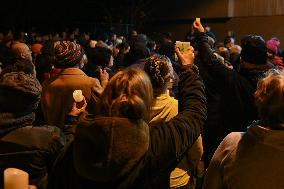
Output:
x,y
128,94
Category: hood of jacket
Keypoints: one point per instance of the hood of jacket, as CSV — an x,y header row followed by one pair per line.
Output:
x,y
107,148
254,72
268,137
165,108
10,121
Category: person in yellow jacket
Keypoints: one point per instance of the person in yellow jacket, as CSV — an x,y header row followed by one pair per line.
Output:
x,y
165,107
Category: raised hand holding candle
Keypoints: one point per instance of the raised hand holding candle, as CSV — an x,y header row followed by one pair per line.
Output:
x,y
184,47
15,179
78,96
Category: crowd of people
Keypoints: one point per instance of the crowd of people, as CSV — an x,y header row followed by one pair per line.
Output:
x,y
151,115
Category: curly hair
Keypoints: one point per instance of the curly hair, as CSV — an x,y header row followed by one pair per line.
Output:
x,y
269,99
160,71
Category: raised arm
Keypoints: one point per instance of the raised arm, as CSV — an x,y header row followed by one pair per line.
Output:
x,y
171,141
210,61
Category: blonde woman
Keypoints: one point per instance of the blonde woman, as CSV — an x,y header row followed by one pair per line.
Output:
x,y
165,107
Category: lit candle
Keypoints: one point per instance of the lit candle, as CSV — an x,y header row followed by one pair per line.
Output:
x,y
197,19
15,179
78,96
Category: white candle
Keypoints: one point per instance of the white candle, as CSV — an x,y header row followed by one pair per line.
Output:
x,y
78,96
15,179
197,19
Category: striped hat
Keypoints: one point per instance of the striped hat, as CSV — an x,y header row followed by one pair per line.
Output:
x,y
67,54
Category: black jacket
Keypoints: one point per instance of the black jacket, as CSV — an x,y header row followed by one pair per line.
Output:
x,y
167,145
230,95
29,148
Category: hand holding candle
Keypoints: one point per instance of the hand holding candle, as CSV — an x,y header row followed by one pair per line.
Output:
x,y
198,26
79,105
15,179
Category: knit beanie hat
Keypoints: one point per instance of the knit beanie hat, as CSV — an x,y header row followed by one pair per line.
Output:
x,y
107,149
254,49
67,54
272,45
36,48
19,93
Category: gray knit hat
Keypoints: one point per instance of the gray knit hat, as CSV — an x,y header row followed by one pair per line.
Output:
x,y
19,93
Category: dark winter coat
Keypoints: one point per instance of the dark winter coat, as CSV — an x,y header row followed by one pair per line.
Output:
x,y
29,148
229,93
